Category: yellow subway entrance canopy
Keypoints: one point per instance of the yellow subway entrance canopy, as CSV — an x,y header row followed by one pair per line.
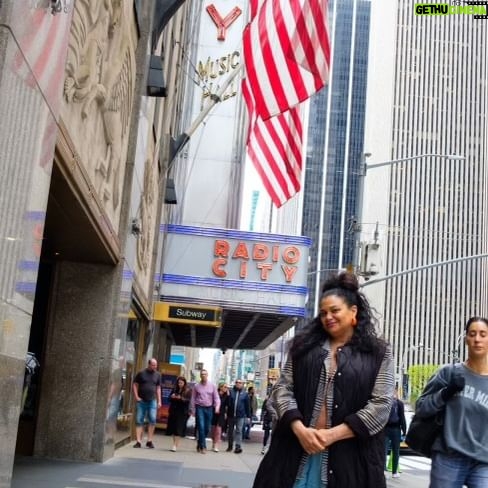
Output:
x,y
184,313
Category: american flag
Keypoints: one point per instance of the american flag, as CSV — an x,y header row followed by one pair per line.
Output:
x,y
275,148
286,53
286,45
43,39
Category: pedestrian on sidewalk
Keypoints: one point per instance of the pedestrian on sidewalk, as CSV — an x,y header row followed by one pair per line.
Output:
x,y
460,453
238,412
147,393
114,400
333,398
204,403
179,404
219,419
254,408
267,417
394,429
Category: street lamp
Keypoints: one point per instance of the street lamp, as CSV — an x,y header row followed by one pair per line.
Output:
x,y
404,380
364,167
456,353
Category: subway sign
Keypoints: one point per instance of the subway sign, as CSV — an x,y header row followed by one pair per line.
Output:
x,y
183,313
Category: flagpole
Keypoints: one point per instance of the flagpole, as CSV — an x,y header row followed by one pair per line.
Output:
x,y
320,245
345,175
180,141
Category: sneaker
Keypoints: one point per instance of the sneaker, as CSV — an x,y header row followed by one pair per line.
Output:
x,y
229,449
237,450
215,449
395,475
150,445
137,444
173,449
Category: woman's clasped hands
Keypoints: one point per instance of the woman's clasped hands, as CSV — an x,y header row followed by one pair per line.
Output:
x,y
312,440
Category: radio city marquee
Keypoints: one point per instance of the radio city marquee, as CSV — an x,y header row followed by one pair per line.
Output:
x,y
238,269
261,255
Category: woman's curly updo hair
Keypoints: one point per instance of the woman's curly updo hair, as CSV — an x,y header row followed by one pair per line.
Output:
x,y
343,285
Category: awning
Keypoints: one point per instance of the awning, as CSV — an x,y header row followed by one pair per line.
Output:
x,y
240,330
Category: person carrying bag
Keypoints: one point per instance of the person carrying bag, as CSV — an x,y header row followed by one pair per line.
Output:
x,y
459,451
423,431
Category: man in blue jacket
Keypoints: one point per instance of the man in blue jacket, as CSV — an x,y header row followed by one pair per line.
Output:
x,y
238,411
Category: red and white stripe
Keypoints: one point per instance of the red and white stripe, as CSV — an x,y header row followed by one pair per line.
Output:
x,y
43,40
275,148
275,144
286,53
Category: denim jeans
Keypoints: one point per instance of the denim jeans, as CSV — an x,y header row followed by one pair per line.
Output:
x,y
246,430
146,408
234,431
311,477
454,470
203,419
393,436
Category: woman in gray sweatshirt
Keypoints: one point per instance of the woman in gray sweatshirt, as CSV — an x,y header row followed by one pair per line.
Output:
x,y
460,454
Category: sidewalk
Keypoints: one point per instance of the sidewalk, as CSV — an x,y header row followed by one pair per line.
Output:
x,y
161,468
147,468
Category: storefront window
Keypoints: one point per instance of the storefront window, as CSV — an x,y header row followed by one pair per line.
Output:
x,y
126,397
131,353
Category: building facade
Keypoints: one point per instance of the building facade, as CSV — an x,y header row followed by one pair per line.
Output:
x,y
257,278
427,95
81,135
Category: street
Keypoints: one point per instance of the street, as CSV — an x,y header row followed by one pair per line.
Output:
x,y
414,473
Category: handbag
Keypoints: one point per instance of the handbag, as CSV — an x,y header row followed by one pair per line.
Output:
x,y
423,431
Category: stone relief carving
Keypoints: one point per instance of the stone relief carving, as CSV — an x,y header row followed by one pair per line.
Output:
x,y
148,216
100,78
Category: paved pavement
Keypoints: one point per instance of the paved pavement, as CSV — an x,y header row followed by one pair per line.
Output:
x,y
162,468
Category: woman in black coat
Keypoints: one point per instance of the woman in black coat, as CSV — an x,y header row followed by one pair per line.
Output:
x,y
178,411
219,420
332,400
267,421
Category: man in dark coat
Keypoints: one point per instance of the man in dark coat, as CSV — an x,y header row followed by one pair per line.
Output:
x,y
394,429
238,412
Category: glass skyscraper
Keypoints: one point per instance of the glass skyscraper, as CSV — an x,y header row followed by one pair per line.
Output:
x,y
335,145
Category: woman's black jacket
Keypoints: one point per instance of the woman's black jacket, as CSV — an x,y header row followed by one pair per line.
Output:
x,y
353,463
